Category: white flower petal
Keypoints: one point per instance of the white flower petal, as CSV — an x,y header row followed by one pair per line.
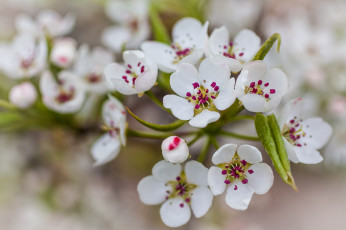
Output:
x,y
249,153
175,149
145,81
318,132
233,64
105,149
113,74
211,71
278,81
248,43
115,37
226,96
261,179
204,118
218,38
224,154
254,103
152,191
216,180
291,110
308,155
291,153
201,201
239,197
181,80
196,173
194,57
166,171
163,55
188,32
173,215
180,107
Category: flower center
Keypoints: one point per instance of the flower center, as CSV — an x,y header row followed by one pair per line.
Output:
x,y
293,132
229,51
94,78
235,170
202,97
180,52
260,89
180,187
26,63
111,129
132,72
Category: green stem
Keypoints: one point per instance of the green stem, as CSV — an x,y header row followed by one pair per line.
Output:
x,y
204,151
136,133
239,136
214,142
156,100
6,105
196,138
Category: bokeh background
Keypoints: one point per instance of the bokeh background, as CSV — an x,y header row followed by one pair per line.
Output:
x,y
46,176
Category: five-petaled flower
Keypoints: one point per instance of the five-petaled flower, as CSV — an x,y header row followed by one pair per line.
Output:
x,y
189,42
137,75
108,146
259,89
201,95
302,137
244,46
240,168
178,191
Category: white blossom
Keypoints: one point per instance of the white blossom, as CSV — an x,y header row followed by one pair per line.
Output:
x,y
179,191
241,169
63,52
259,89
200,94
108,146
23,95
137,75
189,42
303,137
175,149
89,66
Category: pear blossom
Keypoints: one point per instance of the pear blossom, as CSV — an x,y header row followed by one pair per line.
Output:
x,y
179,191
200,94
189,42
64,94
108,146
63,52
47,22
175,149
89,66
132,26
240,169
25,57
23,95
302,137
137,75
259,89
237,52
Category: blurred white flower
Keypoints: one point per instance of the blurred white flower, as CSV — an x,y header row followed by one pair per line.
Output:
x,y
175,150
132,26
63,95
63,52
240,168
24,57
302,137
201,95
178,191
335,151
108,146
189,43
48,22
89,66
243,48
259,89
23,95
137,75
337,106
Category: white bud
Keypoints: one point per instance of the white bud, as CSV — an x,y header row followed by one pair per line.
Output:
x,y
23,95
63,52
175,149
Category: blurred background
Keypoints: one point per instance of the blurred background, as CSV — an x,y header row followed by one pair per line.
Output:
x,y
46,176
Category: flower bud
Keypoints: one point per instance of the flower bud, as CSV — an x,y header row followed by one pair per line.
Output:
x,y
23,95
63,52
175,149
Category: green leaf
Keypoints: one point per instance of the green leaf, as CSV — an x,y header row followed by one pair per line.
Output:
x,y
163,128
265,135
280,146
262,52
159,30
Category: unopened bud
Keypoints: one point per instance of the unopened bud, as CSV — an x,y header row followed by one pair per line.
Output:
x,y
63,52
175,149
23,95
